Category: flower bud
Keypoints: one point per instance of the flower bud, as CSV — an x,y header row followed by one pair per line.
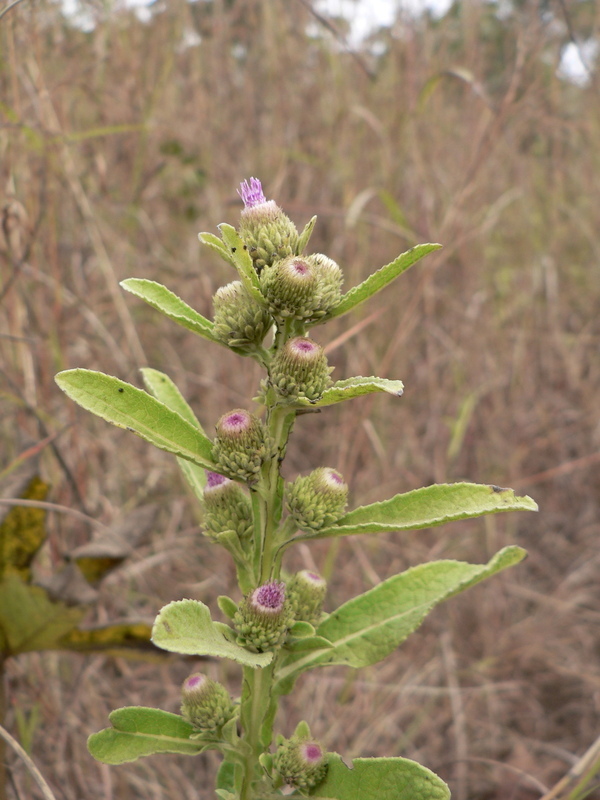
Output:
x,y
329,280
302,763
290,287
205,703
239,320
263,617
300,369
241,444
306,591
317,500
267,232
227,507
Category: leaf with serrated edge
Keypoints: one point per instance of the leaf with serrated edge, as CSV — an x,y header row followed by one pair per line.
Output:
x,y
138,732
128,407
242,262
380,279
173,307
369,627
425,508
185,627
163,388
354,387
380,779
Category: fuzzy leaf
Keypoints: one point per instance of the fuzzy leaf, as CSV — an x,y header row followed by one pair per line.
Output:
x,y
242,262
217,245
185,627
380,279
355,387
128,407
380,779
426,507
138,732
173,307
163,388
304,237
369,627
30,620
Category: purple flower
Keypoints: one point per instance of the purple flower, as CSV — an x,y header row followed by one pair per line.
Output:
x,y
311,752
235,423
252,193
214,479
269,598
195,681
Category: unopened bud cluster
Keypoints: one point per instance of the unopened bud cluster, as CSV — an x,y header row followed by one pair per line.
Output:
x,y
302,763
304,288
227,507
306,591
300,369
241,445
317,500
239,320
264,617
205,703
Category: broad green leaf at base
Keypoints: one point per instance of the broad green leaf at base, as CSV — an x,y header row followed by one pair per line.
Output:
x,y
380,779
369,627
185,627
139,731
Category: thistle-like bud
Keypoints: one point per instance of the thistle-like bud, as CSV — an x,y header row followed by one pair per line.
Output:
x,y
241,445
227,507
302,763
264,616
317,500
267,232
306,591
329,279
300,369
205,703
290,287
239,320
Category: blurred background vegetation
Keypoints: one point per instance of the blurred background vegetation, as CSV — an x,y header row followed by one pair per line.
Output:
x,y
123,134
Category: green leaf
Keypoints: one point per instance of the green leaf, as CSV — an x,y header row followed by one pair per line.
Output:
x,y
380,779
30,620
128,407
218,246
380,279
138,732
173,307
163,388
355,387
116,639
242,262
185,627
305,235
426,507
369,627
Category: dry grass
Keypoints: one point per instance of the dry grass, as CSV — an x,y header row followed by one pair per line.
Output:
x,y
116,147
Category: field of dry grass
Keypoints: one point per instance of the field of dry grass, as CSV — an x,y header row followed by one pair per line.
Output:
x,y
116,147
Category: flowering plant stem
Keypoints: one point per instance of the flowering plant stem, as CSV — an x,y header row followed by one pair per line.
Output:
x,y
279,629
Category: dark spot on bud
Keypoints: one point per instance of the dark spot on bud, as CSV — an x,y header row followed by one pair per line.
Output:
x,y
233,249
121,389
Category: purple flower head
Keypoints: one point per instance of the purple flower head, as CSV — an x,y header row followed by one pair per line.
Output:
x,y
213,479
195,681
269,598
235,422
312,578
251,193
303,350
311,752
